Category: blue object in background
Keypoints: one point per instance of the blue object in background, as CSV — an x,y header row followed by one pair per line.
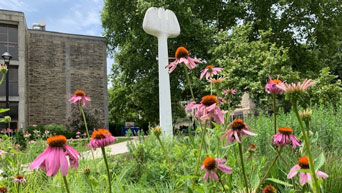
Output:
x,y
134,130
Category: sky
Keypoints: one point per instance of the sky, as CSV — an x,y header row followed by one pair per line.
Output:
x,y
66,16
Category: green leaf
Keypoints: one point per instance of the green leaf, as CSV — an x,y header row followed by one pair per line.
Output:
x,y
305,170
279,182
319,161
4,110
93,181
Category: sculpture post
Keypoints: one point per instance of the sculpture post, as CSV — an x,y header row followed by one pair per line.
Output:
x,y
163,24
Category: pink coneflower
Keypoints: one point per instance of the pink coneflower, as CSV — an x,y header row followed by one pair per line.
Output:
x,y
9,130
210,165
77,137
236,130
229,91
293,88
55,157
285,137
78,133
27,135
208,108
79,97
271,86
32,142
2,152
3,130
47,132
182,56
36,131
101,138
303,163
217,80
210,71
20,179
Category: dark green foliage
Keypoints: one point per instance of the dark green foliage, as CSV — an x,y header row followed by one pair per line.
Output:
x,y
53,129
305,36
75,121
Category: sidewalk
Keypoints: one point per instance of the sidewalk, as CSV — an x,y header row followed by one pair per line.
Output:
x,y
114,149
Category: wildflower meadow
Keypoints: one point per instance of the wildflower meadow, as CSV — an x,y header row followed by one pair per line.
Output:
x,y
294,151
288,141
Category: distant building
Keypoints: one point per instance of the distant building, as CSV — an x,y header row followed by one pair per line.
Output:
x,y
46,68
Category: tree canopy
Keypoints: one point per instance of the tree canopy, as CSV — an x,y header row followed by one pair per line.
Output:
x,y
297,38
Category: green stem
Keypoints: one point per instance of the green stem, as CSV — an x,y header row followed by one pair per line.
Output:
x,y
219,177
189,82
269,169
86,126
211,88
66,184
307,146
243,167
307,124
18,187
168,160
91,187
108,173
3,77
200,153
275,113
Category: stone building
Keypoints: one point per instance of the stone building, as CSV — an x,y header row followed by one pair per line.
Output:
x,y
46,68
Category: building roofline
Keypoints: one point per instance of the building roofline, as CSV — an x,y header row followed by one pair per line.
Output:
x,y
67,34
13,11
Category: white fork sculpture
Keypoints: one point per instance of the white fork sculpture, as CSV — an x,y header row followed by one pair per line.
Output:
x,y
163,24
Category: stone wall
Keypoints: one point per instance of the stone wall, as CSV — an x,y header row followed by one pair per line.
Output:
x,y
59,64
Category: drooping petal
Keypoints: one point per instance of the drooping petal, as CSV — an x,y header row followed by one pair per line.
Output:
x,y
73,156
304,178
220,160
321,174
214,175
203,73
53,161
225,169
245,131
40,159
63,163
293,171
236,136
295,142
206,175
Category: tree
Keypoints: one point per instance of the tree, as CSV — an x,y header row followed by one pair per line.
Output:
x,y
310,31
247,64
135,71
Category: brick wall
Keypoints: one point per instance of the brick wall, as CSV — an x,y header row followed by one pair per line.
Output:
x,y
59,64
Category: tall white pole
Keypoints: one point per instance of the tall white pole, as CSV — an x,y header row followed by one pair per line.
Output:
x,y
165,115
163,24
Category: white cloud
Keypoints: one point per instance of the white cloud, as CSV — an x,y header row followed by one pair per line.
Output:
x,y
15,5
79,18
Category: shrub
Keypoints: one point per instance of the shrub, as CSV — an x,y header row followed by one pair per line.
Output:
x,y
75,121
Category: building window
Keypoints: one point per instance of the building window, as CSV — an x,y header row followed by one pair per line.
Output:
x,y
12,83
9,40
13,113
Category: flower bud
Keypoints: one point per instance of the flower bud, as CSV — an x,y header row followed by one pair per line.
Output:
x,y
306,115
251,148
3,189
157,131
86,171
